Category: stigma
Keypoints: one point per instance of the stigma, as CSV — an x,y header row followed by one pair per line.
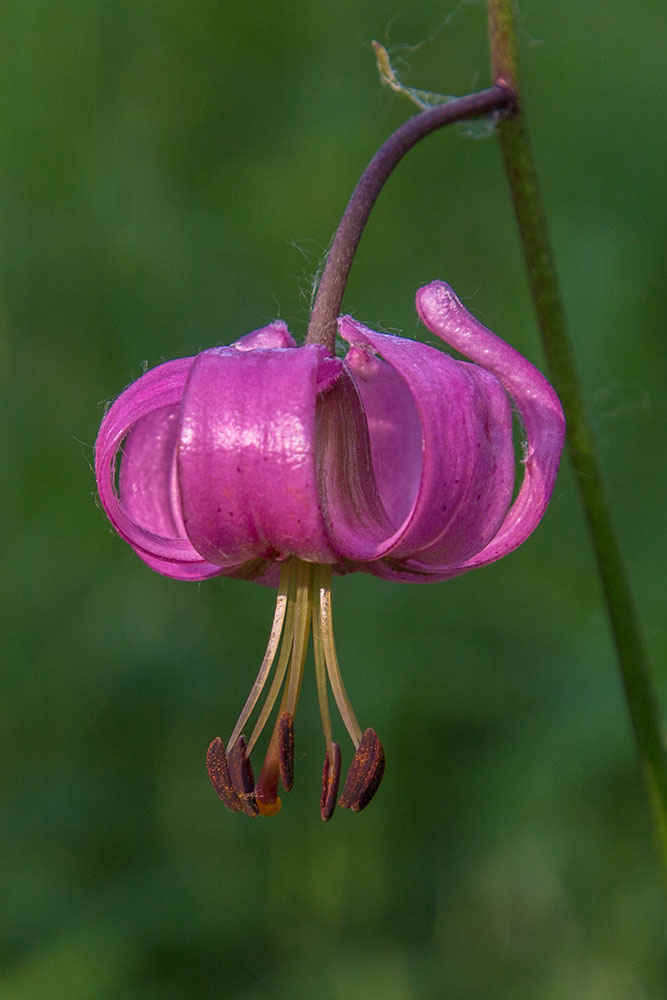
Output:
x,y
304,601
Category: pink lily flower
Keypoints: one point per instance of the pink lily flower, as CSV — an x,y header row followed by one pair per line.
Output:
x,y
281,464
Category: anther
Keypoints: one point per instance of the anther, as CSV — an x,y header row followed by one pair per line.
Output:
x,y
219,773
365,774
243,780
330,779
286,749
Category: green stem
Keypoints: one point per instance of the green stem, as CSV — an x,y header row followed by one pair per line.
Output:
x,y
522,175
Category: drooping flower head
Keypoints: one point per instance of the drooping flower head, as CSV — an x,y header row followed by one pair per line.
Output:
x,y
282,464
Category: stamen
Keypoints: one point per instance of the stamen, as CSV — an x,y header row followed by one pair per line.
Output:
x,y
243,780
283,659
330,779
304,597
268,801
365,774
323,630
320,669
266,789
279,760
269,655
286,750
301,632
221,779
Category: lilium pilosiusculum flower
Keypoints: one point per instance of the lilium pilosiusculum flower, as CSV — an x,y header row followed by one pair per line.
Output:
x,y
281,464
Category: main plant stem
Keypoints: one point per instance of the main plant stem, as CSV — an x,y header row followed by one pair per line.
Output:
x,y
543,280
326,308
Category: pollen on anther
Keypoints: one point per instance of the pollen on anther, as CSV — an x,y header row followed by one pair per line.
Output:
x,y
243,780
365,774
286,750
217,766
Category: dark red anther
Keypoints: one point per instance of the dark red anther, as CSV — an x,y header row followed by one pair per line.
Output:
x,y
286,749
219,773
330,779
365,774
243,780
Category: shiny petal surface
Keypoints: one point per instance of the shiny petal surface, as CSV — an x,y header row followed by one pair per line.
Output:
x,y
394,430
355,517
398,461
147,483
467,462
143,425
540,412
246,456
274,335
151,524
148,489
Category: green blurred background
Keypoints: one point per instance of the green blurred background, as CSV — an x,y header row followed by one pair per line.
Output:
x,y
171,173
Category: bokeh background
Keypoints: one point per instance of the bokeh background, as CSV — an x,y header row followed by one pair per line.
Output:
x,y
171,173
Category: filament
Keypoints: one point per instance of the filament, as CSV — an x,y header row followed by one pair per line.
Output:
x,y
321,670
301,632
283,659
323,624
269,656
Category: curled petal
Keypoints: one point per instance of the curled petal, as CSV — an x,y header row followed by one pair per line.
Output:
x,y
461,478
394,430
143,426
246,456
538,406
147,483
356,520
150,523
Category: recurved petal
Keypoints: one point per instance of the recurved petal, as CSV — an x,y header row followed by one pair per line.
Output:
x,y
246,456
538,406
356,520
394,430
146,512
147,483
148,489
466,462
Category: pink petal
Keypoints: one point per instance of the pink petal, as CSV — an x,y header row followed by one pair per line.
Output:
x,y
394,429
147,483
275,334
246,457
143,423
465,451
356,520
171,553
538,406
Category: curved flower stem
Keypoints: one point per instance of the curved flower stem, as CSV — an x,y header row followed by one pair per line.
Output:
x,y
326,308
543,281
